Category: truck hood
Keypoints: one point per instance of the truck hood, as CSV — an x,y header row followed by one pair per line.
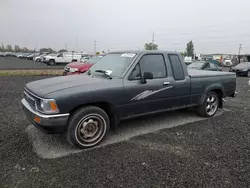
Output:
x,y
50,85
79,65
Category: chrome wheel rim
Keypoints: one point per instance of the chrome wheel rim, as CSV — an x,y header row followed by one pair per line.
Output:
x,y
211,105
90,130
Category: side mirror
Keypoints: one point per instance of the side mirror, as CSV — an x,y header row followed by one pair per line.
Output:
x,y
146,76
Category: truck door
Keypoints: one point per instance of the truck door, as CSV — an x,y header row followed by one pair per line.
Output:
x,y
59,58
153,95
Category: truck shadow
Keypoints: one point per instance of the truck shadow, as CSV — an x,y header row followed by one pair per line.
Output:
x,y
56,146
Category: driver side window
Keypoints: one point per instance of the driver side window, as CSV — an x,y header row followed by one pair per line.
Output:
x,y
207,66
153,63
60,55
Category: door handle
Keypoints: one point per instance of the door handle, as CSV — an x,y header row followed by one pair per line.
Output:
x,y
166,83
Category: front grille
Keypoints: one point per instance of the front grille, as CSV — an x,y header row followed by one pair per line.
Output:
x,y
30,99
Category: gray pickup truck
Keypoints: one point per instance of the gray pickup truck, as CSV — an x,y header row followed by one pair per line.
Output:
x,y
122,85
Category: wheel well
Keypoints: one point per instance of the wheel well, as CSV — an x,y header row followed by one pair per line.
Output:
x,y
220,94
52,60
107,107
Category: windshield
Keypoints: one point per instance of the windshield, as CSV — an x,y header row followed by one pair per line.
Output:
x,y
94,59
243,65
115,62
196,65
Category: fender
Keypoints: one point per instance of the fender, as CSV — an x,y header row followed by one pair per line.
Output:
x,y
214,86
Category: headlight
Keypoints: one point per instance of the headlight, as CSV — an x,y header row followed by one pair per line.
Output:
x,y
48,106
245,70
73,70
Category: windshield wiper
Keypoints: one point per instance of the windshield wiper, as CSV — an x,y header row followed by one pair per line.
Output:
x,y
106,73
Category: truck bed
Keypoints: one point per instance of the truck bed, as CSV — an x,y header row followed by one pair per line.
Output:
x,y
193,73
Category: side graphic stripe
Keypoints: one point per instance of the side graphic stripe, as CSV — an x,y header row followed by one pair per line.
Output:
x,y
148,93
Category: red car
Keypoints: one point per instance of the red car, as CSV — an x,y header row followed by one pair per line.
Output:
x,y
80,67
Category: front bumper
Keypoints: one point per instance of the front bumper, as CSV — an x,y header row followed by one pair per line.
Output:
x,y
48,123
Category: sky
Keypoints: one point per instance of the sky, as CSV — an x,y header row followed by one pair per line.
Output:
x,y
214,26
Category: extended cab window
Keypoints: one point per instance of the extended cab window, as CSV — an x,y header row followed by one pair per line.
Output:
x,y
176,65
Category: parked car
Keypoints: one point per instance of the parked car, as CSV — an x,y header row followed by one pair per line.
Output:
x,y
242,69
40,57
31,56
204,65
122,85
62,58
81,67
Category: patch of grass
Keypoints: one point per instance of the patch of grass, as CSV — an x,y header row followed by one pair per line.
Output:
x,y
33,72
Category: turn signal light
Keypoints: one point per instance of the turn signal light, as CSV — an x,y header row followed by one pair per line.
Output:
x,y
53,106
37,119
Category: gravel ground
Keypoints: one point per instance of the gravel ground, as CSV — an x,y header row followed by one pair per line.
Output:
x,y
209,153
16,63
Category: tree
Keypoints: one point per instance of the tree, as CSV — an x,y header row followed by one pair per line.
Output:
x,y
2,48
17,48
62,51
184,54
25,49
9,48
44,50
150,46
190,49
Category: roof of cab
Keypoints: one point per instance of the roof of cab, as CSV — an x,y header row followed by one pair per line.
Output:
x,y
144,51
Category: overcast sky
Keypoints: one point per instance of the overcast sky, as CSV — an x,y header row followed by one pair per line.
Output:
x,y
215,26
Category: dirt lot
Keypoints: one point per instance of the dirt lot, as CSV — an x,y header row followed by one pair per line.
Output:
x,y
189,152
17,63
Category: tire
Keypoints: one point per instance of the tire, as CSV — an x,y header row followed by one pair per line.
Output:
x,y
210,105
51,62
87,127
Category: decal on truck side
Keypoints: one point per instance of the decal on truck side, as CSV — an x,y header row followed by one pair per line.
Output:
x,y
148,93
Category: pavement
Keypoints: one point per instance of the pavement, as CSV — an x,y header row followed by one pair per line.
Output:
x,y
17,63
177,149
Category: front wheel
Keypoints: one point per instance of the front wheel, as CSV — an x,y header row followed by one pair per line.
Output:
x,y
210,105
51,62
87,127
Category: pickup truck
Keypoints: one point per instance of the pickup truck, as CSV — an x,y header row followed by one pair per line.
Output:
x,y
61,58
122,85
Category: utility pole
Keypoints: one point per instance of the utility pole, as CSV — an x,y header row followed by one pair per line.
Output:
x,y
95,46
153,40
239,53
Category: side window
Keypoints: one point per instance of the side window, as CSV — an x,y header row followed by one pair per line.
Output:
x,y
155,64
212,65
135,74
177,68
206,66
60,55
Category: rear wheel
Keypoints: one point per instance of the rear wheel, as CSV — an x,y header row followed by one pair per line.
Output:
x,y
209,106
87,127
